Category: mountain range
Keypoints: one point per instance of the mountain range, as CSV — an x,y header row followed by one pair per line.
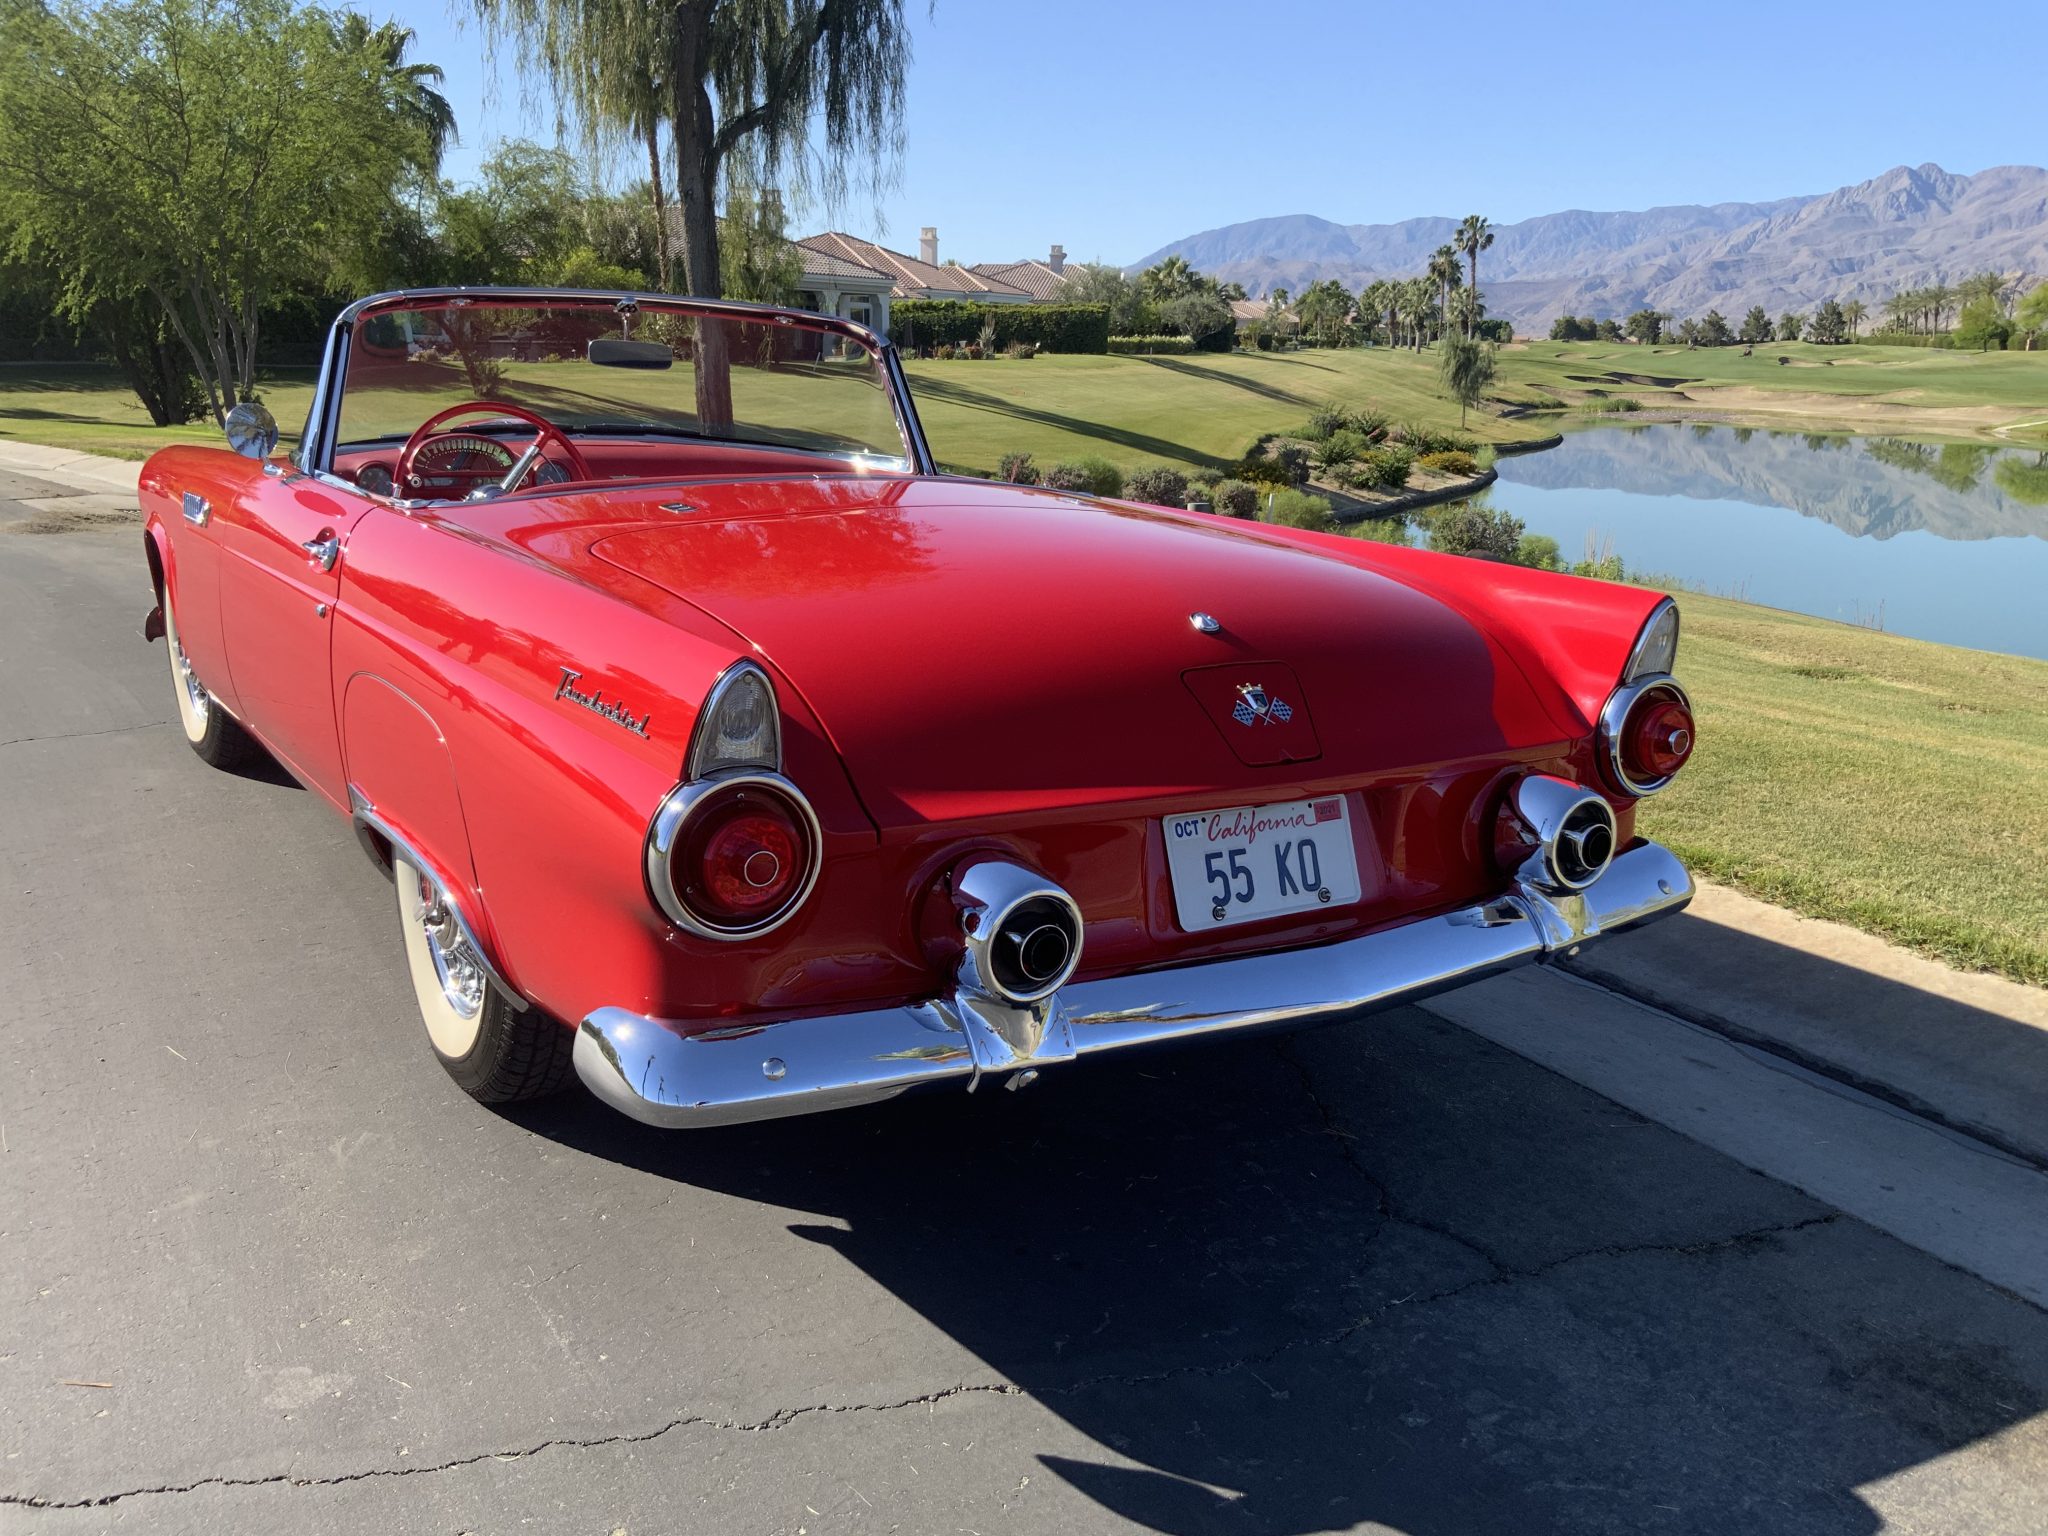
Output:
x,y
1908,227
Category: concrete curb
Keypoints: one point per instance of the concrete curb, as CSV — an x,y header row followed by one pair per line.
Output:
x,y
1965,1050
89,472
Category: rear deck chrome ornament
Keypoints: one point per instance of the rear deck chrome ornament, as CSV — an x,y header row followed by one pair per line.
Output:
x,y
1205,623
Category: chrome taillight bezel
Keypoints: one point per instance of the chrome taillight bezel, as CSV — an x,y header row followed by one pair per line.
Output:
x,y
1614,716
665,836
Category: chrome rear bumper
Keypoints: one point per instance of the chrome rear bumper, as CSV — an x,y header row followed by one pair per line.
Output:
x,y
655,1074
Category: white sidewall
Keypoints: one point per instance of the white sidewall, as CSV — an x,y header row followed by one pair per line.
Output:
x,y
453,1035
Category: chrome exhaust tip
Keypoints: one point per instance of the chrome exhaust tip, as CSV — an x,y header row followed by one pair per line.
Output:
x,y
1022,932
1573,828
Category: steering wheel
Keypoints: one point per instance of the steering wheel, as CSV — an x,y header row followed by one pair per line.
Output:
x,y
546,433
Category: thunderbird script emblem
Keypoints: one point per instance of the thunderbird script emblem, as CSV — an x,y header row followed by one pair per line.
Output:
x,y
598,704
1255,706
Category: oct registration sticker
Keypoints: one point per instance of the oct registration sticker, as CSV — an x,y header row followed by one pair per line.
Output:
x,y
1260,861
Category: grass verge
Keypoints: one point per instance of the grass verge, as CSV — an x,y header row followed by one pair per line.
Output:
x,y
1883,782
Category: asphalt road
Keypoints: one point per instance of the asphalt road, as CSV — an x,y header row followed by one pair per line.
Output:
x,y
266,1269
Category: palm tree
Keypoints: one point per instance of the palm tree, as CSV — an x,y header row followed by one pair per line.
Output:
x,y
1418,302
1853,312
1172,278
1444,271
1474,236
409,88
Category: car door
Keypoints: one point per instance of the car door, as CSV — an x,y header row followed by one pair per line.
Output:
x,y
281,546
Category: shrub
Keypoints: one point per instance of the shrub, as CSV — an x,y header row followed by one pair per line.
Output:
x,y
1160,486
1022,350
1234,498
1538,550
1017,468
1340,448
1328,418
1297,509
972,351
1476,528
1618,405
1386,468
1381,530
1162,346
1053,327
1098,477
1430,440
1259,470
1449,462
1293,461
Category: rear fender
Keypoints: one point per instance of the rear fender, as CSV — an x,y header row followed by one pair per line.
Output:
x,y
404,800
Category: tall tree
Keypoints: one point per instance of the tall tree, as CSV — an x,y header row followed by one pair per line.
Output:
x,y
1474,235
1445,272
1853,312
1756,325
804,93
412,90
1172,278
133,168
1466,366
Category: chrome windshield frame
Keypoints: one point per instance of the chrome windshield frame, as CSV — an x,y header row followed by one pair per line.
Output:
x,y
317,444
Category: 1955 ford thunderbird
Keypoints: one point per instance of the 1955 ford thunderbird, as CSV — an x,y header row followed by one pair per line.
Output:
x,y
722,749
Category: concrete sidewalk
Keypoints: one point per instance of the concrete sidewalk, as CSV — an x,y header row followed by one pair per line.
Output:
x,y
66,467
1965,1049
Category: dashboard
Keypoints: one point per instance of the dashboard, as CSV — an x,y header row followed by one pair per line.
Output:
x,y
451,466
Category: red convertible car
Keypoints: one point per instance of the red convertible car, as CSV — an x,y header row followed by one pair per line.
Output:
x,y
724,750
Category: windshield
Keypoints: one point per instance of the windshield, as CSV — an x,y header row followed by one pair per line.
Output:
x,y
639,370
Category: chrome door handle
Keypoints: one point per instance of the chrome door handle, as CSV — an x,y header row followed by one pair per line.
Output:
x,y
324,551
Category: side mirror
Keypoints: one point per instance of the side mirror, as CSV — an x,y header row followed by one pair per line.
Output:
x,y
251,430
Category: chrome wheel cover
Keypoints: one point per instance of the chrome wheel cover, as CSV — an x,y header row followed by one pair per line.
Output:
x,y
456,965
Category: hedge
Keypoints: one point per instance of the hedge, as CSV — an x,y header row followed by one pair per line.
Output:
x,y
920,323
1167,346
1941,340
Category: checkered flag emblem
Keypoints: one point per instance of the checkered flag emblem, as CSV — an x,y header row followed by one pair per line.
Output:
x,y
1255,704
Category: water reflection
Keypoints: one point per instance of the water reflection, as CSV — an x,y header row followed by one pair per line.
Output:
x,y
1947,542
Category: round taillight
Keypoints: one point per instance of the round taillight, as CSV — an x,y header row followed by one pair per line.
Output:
x,y
741,857
1646,734
1657,739
732,856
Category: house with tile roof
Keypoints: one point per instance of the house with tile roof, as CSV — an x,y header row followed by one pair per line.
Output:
x,y
913,277
1040,279
837,285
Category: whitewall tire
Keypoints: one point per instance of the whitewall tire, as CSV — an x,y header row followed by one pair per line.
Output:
x,y
209,730
496,1051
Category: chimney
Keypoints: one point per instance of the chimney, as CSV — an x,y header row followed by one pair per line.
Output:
x,y
928,244
1058,260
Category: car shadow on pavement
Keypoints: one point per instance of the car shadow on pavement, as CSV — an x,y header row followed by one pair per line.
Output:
x,y
1387,1274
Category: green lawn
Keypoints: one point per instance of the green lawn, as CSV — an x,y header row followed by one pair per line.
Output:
x,y
1203,410
1942,393
1884,782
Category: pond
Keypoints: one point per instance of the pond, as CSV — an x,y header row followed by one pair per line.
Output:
x,y
1943,542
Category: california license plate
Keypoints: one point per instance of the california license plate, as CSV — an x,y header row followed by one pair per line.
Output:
x,y
1258,861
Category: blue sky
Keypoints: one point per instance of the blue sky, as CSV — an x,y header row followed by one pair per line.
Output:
x,y
1114,127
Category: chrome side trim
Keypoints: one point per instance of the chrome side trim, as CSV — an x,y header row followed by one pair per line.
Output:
x,y
364,818
655,1073
666,830
197,509
1614,715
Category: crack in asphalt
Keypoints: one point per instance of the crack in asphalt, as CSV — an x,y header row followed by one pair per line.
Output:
x,y
782,1418
112,730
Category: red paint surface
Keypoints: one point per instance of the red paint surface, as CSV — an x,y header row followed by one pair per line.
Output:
x,y
962,667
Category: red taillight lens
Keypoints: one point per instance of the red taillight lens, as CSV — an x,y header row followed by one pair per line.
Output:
x,y
742,858
1657,738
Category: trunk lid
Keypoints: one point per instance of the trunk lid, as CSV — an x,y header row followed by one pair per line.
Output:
x,y
976,649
